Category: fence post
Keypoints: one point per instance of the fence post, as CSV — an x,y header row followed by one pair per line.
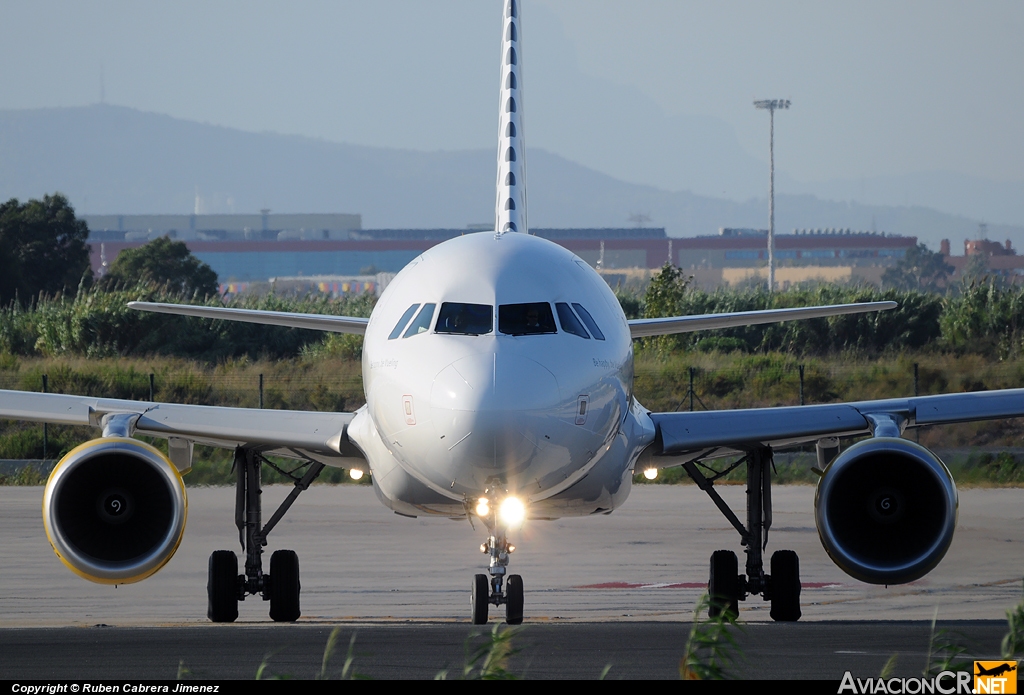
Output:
x,y
152,389
261,391
692,370
801,384
46,380
917,430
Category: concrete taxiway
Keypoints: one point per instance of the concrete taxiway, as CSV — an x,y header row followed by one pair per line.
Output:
x,y
647,561
617,589
816,650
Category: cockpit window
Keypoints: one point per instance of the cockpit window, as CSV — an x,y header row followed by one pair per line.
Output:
x,y
570,324
421,323
526,319
402,321
589,320
465,319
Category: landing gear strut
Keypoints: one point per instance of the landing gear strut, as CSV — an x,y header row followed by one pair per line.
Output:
x,y
225,586
726,586
488,591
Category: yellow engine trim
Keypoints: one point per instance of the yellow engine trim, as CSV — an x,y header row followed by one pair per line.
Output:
x,y
142,575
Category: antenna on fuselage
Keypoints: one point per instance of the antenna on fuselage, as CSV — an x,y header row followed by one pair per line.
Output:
x,y
510,208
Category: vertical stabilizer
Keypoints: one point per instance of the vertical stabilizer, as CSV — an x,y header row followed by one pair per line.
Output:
x,y
511,184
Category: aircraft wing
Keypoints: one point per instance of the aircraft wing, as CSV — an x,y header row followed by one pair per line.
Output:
x,y
292,433
690,435
315,322
643,328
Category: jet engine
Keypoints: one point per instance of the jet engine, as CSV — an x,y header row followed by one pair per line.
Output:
x,y
886,510
114,510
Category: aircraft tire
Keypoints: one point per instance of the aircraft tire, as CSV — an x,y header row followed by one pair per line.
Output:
x,y
514,600
723,586
222,587
785,586
284,586
479,599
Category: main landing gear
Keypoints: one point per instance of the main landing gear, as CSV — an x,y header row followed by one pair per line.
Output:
x,y
487,591
225,586
726,585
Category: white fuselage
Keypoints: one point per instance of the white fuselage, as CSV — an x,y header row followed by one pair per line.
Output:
x,y
546,416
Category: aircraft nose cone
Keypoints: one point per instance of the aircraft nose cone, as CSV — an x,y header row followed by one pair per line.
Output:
x,y
487,410
490,382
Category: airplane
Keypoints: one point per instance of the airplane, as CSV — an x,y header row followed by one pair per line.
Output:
x,y
995,670
498,374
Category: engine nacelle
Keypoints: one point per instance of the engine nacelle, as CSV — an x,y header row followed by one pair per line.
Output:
x,y
886,510
114,510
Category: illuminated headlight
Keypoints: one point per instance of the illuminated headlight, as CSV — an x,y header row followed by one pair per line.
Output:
x,y
483,508
355,473
650,473
512,511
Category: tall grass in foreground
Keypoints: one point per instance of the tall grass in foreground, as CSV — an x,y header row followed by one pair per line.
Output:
x,y
711,652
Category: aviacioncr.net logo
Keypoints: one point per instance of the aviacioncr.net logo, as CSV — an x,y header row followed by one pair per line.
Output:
x,y
946,683
995,677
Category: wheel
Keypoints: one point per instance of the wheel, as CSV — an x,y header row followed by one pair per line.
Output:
x,y
785,578
723,586
222,587
514,600
284,586
479,599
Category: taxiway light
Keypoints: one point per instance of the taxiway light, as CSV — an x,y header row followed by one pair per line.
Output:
x,y
483,507
512,511
355,473
650,473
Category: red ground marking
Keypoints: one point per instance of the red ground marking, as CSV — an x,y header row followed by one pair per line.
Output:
x,y
688,585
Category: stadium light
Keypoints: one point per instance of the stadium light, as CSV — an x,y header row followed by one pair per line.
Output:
x,y
771,105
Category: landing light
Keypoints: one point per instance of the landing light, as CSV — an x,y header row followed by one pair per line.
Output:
x,y
355,473
512,511
483,508
650,473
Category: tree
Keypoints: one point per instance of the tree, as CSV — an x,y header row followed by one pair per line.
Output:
x,y
919,269
976,270
664,297
42,248
665,294
162,262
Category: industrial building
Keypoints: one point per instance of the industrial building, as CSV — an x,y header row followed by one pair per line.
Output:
x,y
262,227
997,260
333,247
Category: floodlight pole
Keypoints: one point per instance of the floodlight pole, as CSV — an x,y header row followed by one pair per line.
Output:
x,y
771,105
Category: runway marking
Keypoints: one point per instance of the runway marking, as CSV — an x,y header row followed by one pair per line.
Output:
x,y
656,585
688,585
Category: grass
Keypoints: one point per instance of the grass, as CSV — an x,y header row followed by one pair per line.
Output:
x,y
1013,642
711,650
946,652
328,380
485,660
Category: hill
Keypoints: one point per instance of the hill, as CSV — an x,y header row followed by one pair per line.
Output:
x,y
110,159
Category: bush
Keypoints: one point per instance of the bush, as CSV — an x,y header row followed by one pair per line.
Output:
x,y
98,323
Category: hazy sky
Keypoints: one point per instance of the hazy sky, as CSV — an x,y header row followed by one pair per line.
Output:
x,y
878,88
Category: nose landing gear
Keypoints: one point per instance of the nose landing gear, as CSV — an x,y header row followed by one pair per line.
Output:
x,y
487,591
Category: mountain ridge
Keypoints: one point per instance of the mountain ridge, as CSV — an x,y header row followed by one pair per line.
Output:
x,y
118,160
